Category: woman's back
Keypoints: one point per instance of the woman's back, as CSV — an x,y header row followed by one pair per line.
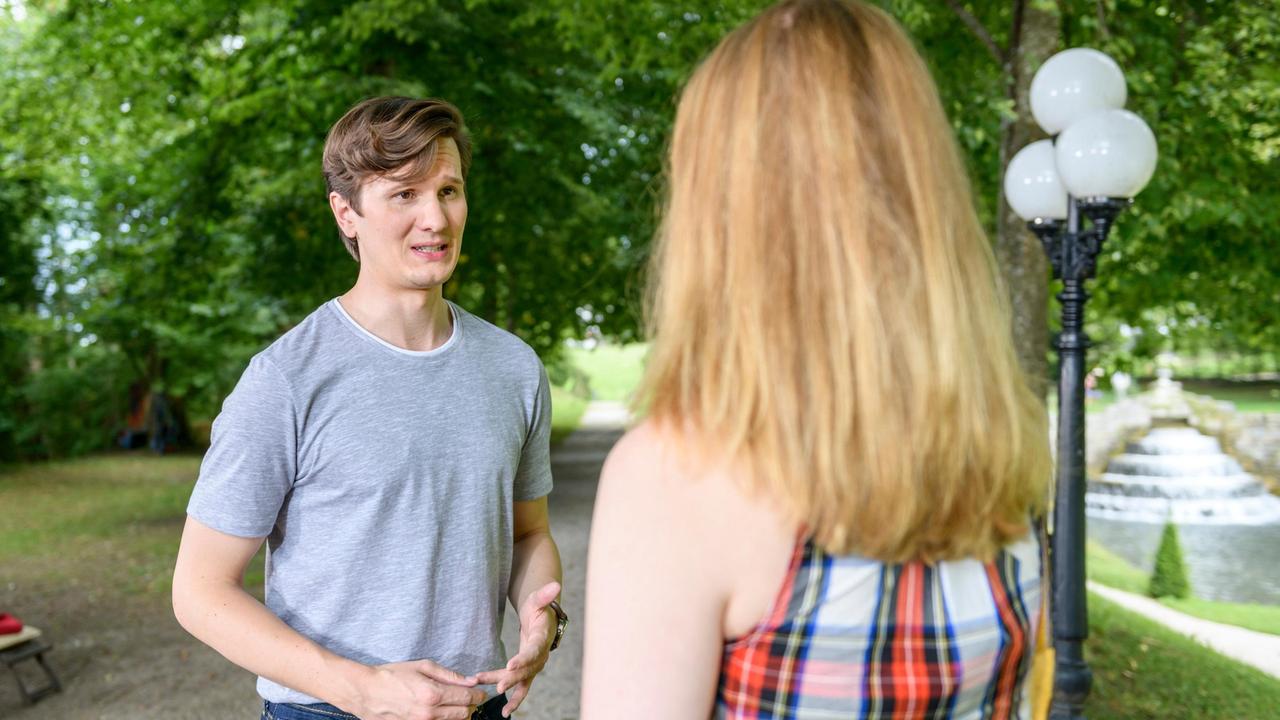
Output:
x,y
853,637
830,350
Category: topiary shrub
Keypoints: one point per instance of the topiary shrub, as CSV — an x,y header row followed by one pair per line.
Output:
x,y
1170,576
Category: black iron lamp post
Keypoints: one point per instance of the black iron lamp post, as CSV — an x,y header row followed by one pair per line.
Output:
x,y
1101,157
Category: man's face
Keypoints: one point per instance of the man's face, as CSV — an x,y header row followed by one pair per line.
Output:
x,y
409,230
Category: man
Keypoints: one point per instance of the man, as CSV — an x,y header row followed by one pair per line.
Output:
x,y
392,450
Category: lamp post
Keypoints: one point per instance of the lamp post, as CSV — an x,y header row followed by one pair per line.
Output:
x,y
1101,156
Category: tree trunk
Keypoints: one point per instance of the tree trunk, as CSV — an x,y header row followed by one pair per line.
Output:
x,y
1018,252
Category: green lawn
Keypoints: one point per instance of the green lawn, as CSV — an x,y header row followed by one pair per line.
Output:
x,y
566,412
1109,569
612,371
1262,618
1251,397
122,509
1143,670
1104,566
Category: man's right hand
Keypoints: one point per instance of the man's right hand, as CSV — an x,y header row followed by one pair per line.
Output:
x,y
417,690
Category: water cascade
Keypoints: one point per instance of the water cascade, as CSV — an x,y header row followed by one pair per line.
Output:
x,y
1182,475
1229,523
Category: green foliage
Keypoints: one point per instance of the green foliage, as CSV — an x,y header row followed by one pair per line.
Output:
x,y
612,371
567,408
1169,579
1143,670
162,212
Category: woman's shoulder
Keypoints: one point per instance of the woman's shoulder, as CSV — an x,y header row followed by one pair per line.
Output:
x,y
658,463
710,520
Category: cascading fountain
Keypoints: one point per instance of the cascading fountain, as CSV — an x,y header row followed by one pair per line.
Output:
x,y
1229,522
1180,475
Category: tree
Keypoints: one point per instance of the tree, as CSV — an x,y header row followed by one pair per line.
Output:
x,y
1169,579
162,162
188,139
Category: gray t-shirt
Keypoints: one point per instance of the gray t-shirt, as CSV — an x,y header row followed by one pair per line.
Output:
x,y
383,480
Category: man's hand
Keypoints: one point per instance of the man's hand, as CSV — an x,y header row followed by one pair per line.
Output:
x,y
417,690
537,628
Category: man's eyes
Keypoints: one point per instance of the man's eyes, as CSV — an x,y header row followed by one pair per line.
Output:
x,y
448,192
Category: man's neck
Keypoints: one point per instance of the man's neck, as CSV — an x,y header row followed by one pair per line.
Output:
x,y
411,319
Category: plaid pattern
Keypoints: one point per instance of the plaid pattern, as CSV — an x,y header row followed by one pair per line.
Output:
x,y
852,637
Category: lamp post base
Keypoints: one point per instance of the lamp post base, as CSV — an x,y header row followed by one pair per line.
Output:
x,y
1072,681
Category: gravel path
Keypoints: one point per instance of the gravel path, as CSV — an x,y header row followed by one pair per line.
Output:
x,y
123,657
1252,648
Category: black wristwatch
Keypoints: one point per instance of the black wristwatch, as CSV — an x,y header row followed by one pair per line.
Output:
x,y
561,621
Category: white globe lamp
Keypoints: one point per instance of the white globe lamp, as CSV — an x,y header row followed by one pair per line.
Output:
x,y
1075,83
1111,153
1032,185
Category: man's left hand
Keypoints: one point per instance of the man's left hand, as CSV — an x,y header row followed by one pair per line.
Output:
x,y
537,628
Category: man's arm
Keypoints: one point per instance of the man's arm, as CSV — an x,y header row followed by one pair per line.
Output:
x,y
535,581
210,602
535,560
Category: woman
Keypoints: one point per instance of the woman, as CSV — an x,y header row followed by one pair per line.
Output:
x,y
825,511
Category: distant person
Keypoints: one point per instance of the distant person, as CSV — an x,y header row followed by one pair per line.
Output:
x,y
392,450
1092,391
825,513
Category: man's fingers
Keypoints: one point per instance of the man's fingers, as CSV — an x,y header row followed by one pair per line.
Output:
x,y
491,677
516,696
458,695
443,674
502,679
532,647
520,660
456,712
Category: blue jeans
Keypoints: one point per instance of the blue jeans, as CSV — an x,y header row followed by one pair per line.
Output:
x,y
291,711
491,710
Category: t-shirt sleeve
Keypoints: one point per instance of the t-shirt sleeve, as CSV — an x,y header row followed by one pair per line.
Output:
x,y
252,458
533,477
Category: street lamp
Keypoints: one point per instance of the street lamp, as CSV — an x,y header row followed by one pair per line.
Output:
x,y
1101,156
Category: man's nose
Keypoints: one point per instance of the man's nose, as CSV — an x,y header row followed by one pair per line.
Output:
x,y
432,217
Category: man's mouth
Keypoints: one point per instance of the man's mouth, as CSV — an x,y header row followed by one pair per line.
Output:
x,y
431,251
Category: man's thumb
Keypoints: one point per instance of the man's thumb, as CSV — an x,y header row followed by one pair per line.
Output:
x,y
546,594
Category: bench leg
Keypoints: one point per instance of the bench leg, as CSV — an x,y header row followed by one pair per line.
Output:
x,y
31,696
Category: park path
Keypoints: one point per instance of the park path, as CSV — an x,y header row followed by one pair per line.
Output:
x,y
1252,648
575,464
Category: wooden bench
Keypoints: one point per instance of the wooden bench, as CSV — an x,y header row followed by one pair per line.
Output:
x,y
27,645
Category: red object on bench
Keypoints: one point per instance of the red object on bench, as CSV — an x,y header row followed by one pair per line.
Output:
x,y
9,624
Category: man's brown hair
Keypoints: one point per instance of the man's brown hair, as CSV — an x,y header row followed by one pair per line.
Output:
x,y
389,136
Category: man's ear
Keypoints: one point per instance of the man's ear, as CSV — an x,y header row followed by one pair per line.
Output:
x,y
344,214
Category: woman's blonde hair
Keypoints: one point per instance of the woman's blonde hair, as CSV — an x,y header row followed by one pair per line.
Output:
x,y
824,305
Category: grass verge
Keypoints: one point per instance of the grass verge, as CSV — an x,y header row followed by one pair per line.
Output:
x,y
566,412
1251,616
120,514
1104,566
1143,670
1111,570
1248,397
612,371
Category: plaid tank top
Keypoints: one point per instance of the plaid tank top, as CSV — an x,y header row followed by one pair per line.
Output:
x,y
850,637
